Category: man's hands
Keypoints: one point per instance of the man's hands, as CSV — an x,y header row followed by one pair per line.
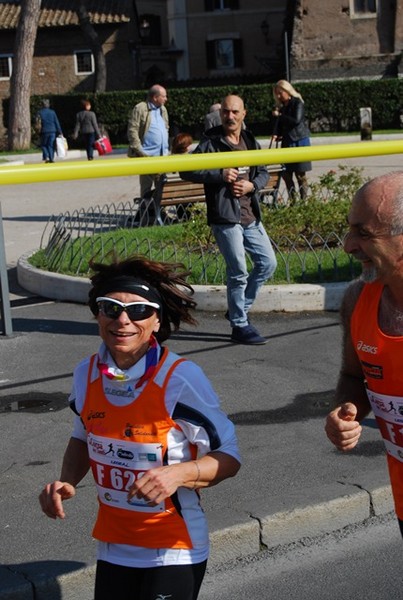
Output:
x,y
239,187
342,428
52,496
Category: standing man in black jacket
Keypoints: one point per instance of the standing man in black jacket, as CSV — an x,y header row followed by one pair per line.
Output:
x,y
233,213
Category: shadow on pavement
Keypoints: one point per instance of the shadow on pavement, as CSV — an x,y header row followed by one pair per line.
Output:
x,y
38,579
21,325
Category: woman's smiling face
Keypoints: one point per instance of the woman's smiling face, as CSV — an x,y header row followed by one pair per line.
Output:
x,y
127,340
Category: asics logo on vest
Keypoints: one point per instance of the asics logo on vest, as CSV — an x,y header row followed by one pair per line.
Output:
x,y
366,348
95,415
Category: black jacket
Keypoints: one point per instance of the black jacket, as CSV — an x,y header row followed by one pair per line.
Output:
x,y
291,124
222,206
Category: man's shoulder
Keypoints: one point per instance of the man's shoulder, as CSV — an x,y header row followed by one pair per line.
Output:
x,y
141,105
350,298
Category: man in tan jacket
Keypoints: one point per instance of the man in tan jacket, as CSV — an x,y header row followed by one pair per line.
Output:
x,y
147,132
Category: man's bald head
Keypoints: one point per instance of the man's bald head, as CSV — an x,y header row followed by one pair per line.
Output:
x,y
383,195
232,114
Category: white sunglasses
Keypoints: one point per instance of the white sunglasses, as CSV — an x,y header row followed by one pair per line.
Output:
x,y
136,311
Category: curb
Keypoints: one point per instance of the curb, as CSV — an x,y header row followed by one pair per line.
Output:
x,y
279,298
256,532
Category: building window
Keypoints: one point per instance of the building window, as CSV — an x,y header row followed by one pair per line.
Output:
x,y
150,30
84,62
6,66
363,8
224,54
211,5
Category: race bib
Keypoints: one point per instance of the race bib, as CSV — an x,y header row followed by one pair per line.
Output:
x,y
117,464
389,413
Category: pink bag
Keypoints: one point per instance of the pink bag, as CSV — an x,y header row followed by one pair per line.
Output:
x,y
103,145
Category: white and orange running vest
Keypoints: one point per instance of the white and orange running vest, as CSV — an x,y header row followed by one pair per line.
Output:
x,y
123,443
381,359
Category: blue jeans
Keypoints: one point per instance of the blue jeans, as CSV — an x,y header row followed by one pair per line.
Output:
x,y
234,241
48,145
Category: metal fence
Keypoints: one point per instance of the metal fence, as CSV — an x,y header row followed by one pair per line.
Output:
x,y
71,237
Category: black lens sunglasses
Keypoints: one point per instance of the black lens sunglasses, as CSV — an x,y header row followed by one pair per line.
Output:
x,y
136,311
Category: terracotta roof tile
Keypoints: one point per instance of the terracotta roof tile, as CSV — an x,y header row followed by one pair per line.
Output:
x,y
61,13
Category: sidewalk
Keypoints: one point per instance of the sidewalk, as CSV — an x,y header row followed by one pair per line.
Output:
x,y
292,484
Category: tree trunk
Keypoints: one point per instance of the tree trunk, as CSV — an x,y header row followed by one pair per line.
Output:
x,y
92,38
19,126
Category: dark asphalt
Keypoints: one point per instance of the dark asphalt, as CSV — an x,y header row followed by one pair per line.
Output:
x,y
277,395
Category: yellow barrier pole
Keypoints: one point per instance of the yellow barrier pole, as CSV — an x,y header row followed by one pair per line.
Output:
x,y
167,164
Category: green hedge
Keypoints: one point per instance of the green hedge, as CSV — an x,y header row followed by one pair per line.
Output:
x,y
331,106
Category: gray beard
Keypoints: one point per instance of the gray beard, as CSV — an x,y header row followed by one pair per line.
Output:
x,y
369,275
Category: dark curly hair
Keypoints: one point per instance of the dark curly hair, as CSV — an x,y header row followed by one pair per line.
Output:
x,y
169,279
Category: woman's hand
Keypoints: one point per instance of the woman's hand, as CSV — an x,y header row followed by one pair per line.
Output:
x,y
52,496
158,484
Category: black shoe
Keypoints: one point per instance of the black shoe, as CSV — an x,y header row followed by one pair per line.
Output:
x,y
247,335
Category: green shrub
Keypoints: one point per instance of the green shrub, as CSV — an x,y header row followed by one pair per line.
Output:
x,y
330,106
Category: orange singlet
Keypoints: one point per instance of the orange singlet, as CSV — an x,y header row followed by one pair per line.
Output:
x,y
381,359
123,443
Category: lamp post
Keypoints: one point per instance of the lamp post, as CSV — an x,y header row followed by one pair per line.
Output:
x,y
145,28
135,46
265,29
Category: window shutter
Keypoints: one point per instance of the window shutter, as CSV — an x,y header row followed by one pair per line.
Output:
x,y
210,54
238,53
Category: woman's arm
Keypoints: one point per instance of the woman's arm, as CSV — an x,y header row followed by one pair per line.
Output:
x,y
160,483
75,466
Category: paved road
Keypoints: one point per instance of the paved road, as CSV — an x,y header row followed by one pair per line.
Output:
x,y
292,484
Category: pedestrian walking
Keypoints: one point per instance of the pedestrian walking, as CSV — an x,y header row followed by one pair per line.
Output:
x,y
87,126
233,213
48,125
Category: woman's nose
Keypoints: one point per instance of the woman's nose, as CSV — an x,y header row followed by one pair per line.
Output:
x,y
123,317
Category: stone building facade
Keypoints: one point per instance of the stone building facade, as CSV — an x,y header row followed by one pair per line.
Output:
x,y
346,38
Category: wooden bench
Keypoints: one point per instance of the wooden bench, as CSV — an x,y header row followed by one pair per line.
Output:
x,y
173,192
270,194
178,193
